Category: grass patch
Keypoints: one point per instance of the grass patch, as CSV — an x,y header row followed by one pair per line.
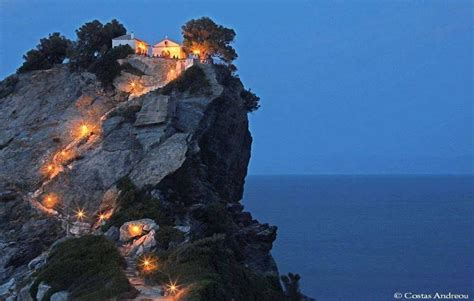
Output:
x,y
134,204
193,80
89,268
207,270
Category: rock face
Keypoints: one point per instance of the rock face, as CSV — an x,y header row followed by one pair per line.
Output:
x,y
190,149
144,74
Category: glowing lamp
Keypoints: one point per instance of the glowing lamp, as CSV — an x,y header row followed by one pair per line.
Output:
x,y
84,130
172,287
148,264
135,230
102,217
50,200
80,214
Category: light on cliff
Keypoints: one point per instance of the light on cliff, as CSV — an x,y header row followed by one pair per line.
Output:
x,y
172,288
134,86
50,170
148,264
102,217
50,200
135,230
80,214
84,130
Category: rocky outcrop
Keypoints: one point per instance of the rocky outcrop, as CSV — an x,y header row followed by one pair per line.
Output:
x,y
144,74
194,154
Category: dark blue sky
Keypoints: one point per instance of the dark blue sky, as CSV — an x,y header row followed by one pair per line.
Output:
x,y
346,86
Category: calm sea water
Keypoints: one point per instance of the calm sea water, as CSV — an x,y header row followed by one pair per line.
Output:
x,y
367,237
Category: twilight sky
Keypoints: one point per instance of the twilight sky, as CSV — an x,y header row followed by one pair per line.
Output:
x,y
346,86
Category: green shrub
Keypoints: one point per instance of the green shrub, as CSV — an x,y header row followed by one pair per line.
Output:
x,y
208,270
251,100
89,268
134,204
165,235
193,80
50,51
7,86
215,219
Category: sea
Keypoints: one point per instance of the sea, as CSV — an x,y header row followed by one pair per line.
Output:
x,y
371,238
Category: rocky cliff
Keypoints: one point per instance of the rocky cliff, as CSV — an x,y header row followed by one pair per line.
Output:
x,y
65,143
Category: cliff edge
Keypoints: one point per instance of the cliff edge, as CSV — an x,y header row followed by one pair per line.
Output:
x,y
67,147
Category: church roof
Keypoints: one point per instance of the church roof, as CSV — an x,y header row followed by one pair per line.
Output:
x,y
128,37
169,42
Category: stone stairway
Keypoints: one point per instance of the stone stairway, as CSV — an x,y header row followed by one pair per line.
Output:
x,y
147,292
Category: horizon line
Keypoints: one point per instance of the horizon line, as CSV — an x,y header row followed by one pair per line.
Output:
x,y
361,174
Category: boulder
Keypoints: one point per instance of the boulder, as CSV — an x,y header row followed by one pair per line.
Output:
x,y
144,225
60,296
43,288
38,262
112,233
24,294
143,244
7,288
184,229
79,228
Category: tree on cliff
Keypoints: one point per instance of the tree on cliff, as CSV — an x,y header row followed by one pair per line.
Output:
x,y
93,40
50,51
207,39
107,68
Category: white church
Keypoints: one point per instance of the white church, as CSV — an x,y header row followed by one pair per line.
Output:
x,y
165,48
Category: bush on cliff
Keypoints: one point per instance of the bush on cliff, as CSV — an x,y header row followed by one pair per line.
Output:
x,y
50,51
92,51
193,80
89,268
7,86
207,270
134,204
94,39
251,100
106,68
166,235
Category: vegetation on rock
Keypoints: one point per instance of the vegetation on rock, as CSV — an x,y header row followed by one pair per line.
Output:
x,y
106,68
208,270
92,51
135,204
93,41
50,51
193,80
208,39
251,100
292,286
166,235
89,268
7,86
